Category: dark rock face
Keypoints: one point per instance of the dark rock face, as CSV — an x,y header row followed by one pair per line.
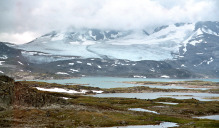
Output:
x,y
6,50
208,25
6,90
124,68
203,56
12,60
160,28
15,94
6,79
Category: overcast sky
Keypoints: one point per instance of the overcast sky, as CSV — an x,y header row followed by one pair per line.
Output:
x,y
23,20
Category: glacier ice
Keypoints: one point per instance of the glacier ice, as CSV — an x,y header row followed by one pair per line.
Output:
x,y
129,45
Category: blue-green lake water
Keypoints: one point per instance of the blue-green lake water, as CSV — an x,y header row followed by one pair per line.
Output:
x,y
115,82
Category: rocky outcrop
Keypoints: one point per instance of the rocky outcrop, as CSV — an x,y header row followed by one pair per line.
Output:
x,y
15,94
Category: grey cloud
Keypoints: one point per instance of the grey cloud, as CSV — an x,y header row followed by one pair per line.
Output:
x,y
41,16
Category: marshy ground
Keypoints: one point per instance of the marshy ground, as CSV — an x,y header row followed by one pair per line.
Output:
x,y
22,105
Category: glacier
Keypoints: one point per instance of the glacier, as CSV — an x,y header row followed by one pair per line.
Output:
x,y
134,45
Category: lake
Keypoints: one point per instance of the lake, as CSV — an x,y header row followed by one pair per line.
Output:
x,y
115,82
211,117
155,95
161,125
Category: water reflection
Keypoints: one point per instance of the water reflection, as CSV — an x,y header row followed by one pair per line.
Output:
x,y
161,125
115,82
155,95
212,117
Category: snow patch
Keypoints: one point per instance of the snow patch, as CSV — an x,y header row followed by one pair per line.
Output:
x,y
60,90
71,63
1,62
20,63
43,54
211,60
1,72
165,76
185,49
81,38
74,70
99,66
168,103
94,37
124,64
114,65
89,64
206,61
79,62
143,110
29,53
183,65
194,42
209,31
137,76
65,98
4,57
62,73
199,32
153,70
98,92
114,36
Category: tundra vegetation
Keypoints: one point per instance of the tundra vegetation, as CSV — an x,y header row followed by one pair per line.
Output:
x,y
22,105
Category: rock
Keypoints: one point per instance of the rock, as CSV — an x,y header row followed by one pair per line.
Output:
x,y
14,93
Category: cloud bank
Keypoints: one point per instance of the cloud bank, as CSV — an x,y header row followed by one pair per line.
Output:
x,y
23,20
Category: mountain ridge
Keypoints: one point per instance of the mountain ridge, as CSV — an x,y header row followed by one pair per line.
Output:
x,y
189,48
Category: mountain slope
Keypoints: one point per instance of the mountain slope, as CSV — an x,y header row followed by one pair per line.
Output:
x,y
201,50
11,59
17,65
181,50
132,45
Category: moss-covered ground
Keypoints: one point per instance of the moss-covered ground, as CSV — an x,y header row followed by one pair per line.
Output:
x,y
87,111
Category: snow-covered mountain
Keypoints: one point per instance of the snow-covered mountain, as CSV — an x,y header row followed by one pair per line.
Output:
x,y
201,50
72,42
181,50
133,45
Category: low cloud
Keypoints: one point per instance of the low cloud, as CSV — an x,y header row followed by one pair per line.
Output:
x,y
18,38
41,16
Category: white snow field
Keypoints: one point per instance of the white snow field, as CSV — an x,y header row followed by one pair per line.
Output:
x,y
132,45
